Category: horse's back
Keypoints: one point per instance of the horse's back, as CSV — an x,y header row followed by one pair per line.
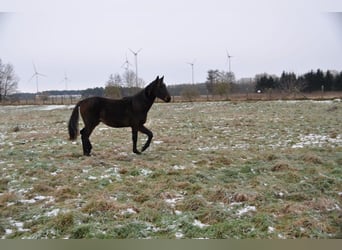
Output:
x,y
112,112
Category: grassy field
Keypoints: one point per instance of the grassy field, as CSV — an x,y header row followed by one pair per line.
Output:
x,y
214,170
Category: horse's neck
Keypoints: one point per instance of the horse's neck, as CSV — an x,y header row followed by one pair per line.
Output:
x,y
143,101
149,102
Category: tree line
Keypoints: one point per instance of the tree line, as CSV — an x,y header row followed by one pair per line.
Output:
x,y
309,82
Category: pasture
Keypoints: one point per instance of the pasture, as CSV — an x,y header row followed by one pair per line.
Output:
x,y
270,170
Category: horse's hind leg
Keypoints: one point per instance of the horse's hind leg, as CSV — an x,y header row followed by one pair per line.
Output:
x,y
135,139
85,133
85,142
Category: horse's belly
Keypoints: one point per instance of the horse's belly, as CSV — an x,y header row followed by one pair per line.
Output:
x,y
117,124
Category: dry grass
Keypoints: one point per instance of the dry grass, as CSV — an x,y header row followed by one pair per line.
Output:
x,y
214,170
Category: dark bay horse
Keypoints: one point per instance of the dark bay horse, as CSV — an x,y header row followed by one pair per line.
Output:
x,y
127,112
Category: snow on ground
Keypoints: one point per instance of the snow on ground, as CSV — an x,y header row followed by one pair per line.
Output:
x,y
199,224
174,199
317,140
54,107
245,210
4,109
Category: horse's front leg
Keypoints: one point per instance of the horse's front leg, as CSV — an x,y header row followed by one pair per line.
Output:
x,y
135,139
149,133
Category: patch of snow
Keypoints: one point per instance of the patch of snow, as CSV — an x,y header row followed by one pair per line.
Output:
x,y
245,210
54,212
172,201
146,172
101,129
281,236
241,146
335,207
31,201
235,203
37,198
112,172
157,142
19,225
177,212
52,107
317,140
179,235
92,177
199,224
281,194
178,167
8,231
270,229
212,148
128,211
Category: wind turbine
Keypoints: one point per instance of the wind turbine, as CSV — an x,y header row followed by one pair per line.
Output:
x,y
135,53
192,70
229,56
126,64
65,80
37,75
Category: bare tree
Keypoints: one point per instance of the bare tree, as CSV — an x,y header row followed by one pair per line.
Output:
x,y
190,92
129,78
115,80
113,86
8,80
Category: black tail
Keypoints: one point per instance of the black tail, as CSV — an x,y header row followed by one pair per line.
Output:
x,y
73,123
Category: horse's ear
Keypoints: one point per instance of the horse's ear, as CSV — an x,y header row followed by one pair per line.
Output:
x,y
157,79
162,79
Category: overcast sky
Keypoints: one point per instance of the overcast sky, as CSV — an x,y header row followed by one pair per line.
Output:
x,y
89,40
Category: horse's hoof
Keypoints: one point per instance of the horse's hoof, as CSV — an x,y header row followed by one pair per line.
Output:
x,y
136,152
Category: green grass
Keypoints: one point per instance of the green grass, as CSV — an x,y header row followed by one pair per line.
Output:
x,y
264,170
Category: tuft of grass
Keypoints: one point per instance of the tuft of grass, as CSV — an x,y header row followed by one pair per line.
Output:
x,y
312,158
100,205
81,232
3,184
64,222
65,193
280,166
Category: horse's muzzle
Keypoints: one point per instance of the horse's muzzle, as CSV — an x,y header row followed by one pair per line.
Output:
x,y
167,98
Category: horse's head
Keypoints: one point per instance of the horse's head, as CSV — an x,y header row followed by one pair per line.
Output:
x,y
158,88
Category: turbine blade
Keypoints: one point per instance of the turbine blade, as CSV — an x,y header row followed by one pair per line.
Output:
x,y
132,51
34,68
39,74
32,77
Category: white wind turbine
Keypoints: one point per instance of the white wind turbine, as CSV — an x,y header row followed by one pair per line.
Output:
x,y
126,64
228,57
192,71
37,75
135,53
65,80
